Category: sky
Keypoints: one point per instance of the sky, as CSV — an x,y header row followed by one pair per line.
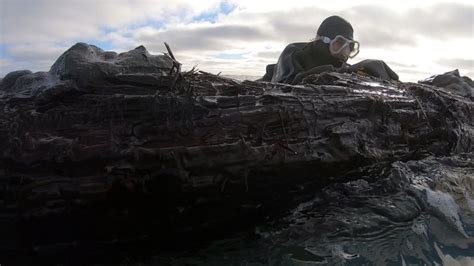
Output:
x,y
416,39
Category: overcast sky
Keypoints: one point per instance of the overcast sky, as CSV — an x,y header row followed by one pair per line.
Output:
x,y
416,38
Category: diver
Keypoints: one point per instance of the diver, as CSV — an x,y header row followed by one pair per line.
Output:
x,y
329,51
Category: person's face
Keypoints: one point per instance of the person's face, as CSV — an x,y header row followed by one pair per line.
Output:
x,y
343,48
343,55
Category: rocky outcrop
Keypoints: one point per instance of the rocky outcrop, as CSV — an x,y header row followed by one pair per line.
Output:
x,y
105,150
453,82
87,65
8,82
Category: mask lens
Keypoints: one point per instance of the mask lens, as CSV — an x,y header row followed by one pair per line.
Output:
x,y
352,45
354,49
338,43
341,46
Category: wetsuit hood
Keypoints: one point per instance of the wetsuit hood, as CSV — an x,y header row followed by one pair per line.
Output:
x,y
335,25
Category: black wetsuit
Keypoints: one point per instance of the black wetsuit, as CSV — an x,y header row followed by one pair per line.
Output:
x,y
298,58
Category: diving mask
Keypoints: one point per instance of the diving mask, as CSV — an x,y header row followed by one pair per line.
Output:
x,y
341,46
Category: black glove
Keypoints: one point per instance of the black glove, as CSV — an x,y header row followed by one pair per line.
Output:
x,y
315,70
376,68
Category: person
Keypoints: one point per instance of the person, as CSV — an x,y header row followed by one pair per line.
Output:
x,y
329,51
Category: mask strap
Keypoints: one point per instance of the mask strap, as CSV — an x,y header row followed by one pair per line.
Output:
x,y
324,39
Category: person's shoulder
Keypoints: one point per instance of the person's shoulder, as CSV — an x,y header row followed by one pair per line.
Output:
x,y
296,45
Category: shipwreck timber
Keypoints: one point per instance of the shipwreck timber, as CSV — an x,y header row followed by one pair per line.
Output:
x,y
117,148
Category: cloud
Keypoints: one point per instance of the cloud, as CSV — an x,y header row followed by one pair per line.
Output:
x,y
268,54
379,26
231,56
457,63
48,27
201,38
441,21
213,16
35,51
210,33
50,20
4,62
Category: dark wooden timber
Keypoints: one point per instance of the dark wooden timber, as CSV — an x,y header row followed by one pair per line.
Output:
x,y
123,161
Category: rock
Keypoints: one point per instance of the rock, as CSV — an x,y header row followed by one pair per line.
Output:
x,y
9,80
56,91
452,81
138,79
85,63
34,83
139,60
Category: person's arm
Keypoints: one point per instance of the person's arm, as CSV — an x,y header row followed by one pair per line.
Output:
x,y
315,70
372,67
287,66
270,69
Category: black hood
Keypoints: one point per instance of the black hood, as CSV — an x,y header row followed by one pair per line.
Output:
x,y
335,25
